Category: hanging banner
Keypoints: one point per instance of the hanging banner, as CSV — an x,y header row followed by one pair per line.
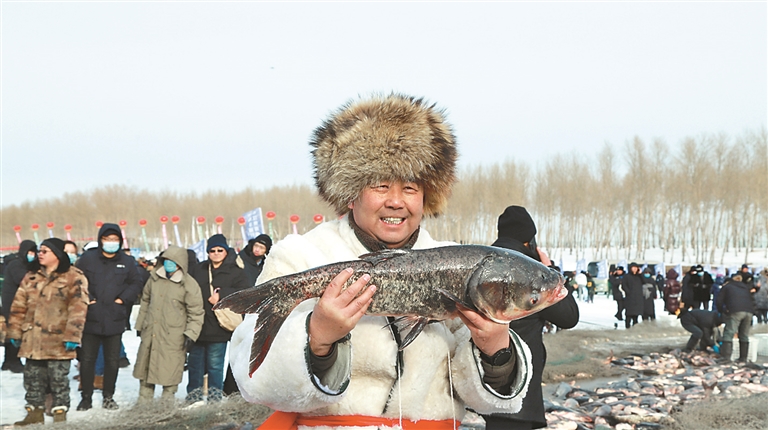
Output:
x,y
254,224
199,249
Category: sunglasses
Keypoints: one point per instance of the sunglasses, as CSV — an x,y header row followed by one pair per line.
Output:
x,y
43,251
216,250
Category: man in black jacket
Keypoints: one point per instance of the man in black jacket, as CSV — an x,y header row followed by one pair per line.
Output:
x,y
15,269
701,324
517,232
113,283
737,306
253,256
218,277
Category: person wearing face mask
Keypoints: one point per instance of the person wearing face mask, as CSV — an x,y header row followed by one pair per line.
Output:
x,y
15,270
114,282
46,324
71,249
169,322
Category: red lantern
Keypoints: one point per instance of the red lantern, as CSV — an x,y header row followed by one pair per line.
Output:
x,y
17,228
175,219
143,222
163,219
49,225
294,219
201,220
35,227
219,219
68,227
99,224
241,220
271,215
123,223
318,218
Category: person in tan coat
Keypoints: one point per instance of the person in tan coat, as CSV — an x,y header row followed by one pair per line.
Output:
x,y
46,324
169,321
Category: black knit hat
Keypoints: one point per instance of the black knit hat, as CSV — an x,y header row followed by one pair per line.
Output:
x,y
517,224
265,240
57,246
217,240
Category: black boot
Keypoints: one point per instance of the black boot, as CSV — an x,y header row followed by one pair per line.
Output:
x,y
743,351
85,403
726,349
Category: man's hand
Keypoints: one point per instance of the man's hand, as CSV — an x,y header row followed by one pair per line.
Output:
x,y
544,257
338,311
488,336
119,301
214,297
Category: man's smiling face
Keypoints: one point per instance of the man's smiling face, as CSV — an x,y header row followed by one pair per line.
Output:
x,y
389,211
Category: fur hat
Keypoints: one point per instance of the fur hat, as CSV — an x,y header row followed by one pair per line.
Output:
x,y
384,138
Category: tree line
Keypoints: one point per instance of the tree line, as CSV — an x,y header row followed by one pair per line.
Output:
x,y
704,197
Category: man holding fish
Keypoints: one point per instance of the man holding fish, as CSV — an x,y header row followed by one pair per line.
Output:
x,y
344,359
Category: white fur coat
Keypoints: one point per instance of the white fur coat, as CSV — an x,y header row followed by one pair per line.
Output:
x,y
371,385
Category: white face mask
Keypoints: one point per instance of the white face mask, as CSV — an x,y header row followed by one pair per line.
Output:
x,y
110,247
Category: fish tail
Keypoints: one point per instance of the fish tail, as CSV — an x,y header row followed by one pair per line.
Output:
x,y
267,326
247,301
258,300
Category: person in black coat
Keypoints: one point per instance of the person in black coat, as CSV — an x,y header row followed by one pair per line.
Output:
x,y
517,232
15,269
701,323
253,256
736,304
218,277
114,283
614,279
632,289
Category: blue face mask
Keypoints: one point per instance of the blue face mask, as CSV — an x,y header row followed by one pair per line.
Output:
x,y
30,258
169,266
110,247
72,258
647,275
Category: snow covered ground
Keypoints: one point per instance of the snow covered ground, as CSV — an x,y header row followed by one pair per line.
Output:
x,y
597,315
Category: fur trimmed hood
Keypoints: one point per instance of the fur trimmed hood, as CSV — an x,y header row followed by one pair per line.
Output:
x,y
384,138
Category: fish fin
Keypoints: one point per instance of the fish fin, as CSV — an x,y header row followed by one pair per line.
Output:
x,y
415,326
453,298
267,326
247,301
383,255
257,300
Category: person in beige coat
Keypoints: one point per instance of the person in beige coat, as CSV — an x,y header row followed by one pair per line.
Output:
x,y
46,324
170,320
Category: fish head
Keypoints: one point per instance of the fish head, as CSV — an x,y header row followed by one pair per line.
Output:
x,y
509,285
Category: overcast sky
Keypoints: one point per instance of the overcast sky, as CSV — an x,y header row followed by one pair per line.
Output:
x,y
192,96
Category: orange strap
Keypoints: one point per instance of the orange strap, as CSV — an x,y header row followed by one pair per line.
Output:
x,y
291,421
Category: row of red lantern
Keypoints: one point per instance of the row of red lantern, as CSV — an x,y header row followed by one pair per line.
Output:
x,y
175,219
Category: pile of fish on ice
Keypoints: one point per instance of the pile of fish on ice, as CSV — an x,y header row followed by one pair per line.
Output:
x,y
664,382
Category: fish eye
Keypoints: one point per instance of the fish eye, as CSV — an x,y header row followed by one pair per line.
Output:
x,y
534,300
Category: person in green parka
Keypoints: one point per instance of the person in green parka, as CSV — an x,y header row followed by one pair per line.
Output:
x,y
170,320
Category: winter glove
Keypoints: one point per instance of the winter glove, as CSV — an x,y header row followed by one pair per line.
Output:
x,y
188,343
16,343
70,346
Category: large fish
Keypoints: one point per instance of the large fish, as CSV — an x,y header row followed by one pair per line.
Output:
x,y
417,285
